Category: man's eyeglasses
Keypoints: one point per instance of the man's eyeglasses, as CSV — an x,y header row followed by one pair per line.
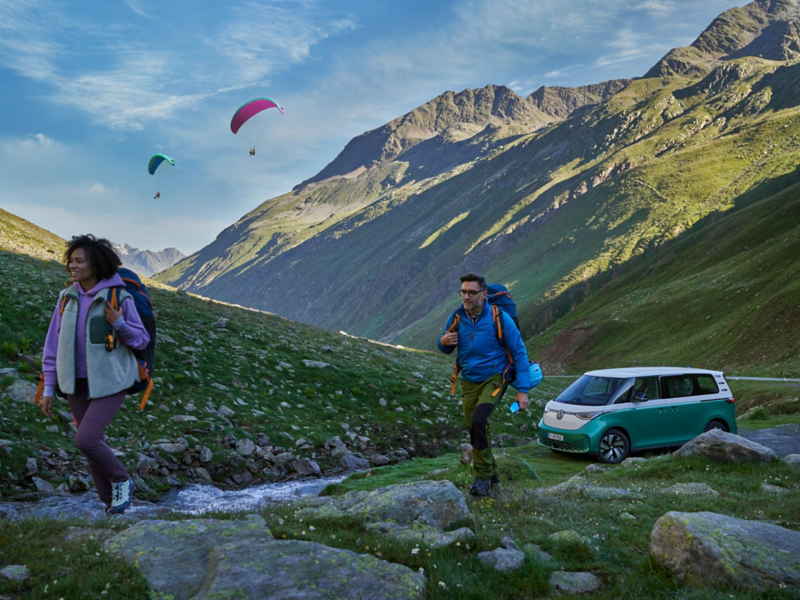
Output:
x,y
470,293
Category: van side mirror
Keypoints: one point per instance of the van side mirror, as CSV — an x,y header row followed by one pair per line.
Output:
x,y
640,397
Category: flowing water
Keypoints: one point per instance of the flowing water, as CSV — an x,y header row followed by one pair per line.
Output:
x,y
192,499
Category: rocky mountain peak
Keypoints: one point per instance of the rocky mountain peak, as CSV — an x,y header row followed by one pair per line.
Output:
x,y
767,29
560,102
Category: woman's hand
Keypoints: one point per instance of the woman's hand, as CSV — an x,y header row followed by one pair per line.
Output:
x,y
111,314
47,406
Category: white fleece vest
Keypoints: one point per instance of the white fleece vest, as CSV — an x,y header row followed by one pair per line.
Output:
x,y
108,373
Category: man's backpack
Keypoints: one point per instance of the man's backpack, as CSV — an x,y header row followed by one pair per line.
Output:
x,y
500,301
144,306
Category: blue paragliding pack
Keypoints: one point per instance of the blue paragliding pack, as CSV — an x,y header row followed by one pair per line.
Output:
x,y
144,306
498,296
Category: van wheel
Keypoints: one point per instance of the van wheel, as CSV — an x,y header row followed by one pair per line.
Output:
x,y
715,425
614,447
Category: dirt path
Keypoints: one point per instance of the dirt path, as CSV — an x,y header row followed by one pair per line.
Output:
x,y
784,439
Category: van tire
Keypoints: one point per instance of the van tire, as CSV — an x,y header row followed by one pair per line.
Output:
x,y
614,447
715,424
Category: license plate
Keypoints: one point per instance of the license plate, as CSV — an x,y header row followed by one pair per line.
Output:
x,y
555,436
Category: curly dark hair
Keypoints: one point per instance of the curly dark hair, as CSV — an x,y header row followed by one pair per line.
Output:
x,y
100,253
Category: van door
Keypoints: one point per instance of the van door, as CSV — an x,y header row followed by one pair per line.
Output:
x,y
683,405
649,419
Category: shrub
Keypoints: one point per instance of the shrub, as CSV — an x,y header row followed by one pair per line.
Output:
x,y
759,413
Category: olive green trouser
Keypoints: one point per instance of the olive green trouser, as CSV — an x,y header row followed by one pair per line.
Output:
x,y
478,403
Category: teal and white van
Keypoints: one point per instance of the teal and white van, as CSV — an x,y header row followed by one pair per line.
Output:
x,y
612,412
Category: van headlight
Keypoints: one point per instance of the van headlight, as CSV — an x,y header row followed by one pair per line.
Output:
x,y
588,416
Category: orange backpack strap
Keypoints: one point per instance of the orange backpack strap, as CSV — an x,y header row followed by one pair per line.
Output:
x,y
497,320
144,376
39,389
63,304
454,327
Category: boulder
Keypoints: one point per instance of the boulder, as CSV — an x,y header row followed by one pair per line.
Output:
x,y
202,474
205,454
22,391
225,412
722,446
172,448
633,460
507,558
690,489
45,488
378,460
577,484
568,536
174,555
706,548
566,582
435,503
537,553
279,570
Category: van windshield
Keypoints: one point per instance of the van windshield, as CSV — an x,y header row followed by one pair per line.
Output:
x,y
589,390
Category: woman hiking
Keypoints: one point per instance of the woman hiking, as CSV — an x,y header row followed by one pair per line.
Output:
x,y
88,354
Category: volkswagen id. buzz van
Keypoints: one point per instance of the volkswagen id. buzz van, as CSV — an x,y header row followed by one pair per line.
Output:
x,y
612,412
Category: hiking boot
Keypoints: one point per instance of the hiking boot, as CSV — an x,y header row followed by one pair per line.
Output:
x,y
494,481
121,496
480,487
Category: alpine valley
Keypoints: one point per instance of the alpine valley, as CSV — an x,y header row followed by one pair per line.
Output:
x,y
637,221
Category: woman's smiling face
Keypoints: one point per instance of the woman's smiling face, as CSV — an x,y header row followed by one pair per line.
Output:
x,y
80,269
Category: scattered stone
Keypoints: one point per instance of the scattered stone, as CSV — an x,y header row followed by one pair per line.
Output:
x,y
220,323
507,558
45,488
348,461
595,468
792,460
578,485
163,337
772,489
317,364
567,582
690,489
706,548
173,448
31,467
78,484
721,446
202,474
466,454
285,365
181,418
306,467
15,572
245,447
626,516
628,462
537,553
226,412
378,460
427,535
568,536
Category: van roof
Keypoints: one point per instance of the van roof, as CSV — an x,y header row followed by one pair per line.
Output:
x,y
652,371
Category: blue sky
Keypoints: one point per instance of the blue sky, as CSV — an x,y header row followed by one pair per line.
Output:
x,y
92,89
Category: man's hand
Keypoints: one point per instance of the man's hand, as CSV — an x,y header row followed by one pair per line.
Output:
x,y
522,398
111,314
449,339
47,406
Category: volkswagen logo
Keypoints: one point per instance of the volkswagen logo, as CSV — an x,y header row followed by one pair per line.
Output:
x,y
560,415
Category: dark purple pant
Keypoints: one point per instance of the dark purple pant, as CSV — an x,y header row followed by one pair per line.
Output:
x,y
93,416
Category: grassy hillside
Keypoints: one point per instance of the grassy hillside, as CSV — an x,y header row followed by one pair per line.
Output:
x,y
556,212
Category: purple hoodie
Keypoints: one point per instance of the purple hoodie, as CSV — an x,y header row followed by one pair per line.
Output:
x,y
129,327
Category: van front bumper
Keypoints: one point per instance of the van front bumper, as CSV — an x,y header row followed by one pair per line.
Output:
x,y
574,441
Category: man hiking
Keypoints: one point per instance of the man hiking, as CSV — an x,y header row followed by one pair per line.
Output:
x,y
483,359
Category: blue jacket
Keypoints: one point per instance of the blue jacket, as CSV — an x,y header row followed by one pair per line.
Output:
x,y
481,354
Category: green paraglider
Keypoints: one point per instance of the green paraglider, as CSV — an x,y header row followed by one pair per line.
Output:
x,y
160,167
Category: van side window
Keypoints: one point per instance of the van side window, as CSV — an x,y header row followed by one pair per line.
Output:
x,y
647,385
677,386
705,385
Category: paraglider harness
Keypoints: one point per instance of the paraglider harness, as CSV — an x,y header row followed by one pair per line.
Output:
x,y
498,297
144,358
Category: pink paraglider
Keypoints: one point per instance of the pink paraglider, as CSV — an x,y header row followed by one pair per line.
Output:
x,y
250,109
